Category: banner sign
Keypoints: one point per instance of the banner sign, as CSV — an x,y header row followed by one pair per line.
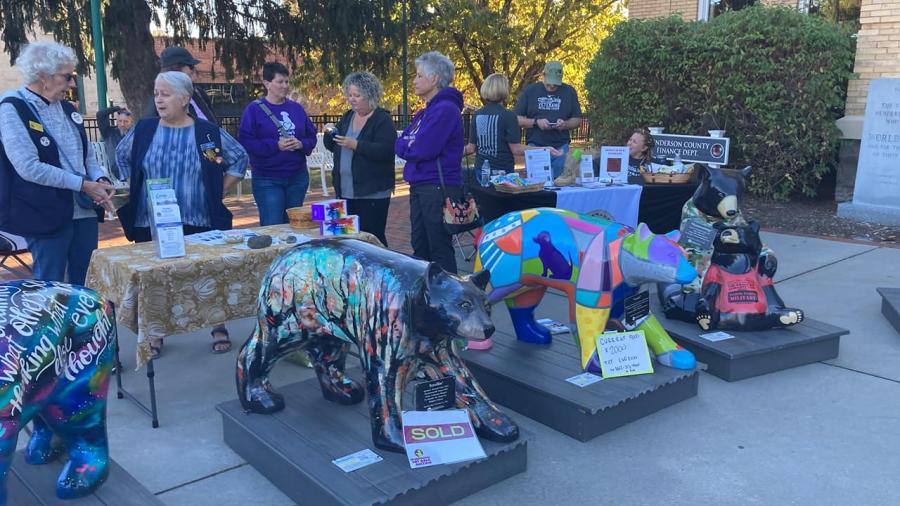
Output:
x,y
692,148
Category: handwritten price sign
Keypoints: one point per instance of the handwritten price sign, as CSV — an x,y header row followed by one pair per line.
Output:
x,y
624,354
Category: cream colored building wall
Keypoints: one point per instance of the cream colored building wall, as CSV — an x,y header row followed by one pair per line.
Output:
x,y
10,78
877,50
642,9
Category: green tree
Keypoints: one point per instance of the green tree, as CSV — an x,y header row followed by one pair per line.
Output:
x,y
334,35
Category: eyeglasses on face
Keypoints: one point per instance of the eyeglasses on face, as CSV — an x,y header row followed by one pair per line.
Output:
x,y
68,77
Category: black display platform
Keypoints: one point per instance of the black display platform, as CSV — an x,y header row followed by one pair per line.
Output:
x,y
294,448
751,354
531,379
890,306
29,485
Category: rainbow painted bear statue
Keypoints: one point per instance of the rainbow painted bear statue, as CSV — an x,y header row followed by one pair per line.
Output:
x,y
57,347
595,262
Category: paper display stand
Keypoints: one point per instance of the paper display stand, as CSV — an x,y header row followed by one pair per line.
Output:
x,y
165,218
29,485
614,163
532,380
748,354
537,165
586,169
890,306
294,449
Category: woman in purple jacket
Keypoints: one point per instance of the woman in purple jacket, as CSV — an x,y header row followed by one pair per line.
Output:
x,y
278,136
435,136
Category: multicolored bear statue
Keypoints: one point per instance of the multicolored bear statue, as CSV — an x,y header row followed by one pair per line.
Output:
x,y
57,348
595,262
402,315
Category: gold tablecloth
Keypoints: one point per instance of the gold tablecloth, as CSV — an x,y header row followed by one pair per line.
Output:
x,y
157,297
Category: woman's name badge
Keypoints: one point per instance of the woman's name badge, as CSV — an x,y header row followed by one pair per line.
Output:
x,y
77,118
34,125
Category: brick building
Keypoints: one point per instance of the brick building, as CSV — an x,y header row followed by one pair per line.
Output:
x,y
690,10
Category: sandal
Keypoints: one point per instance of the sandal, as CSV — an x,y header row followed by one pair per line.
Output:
x,y
156,349
221,345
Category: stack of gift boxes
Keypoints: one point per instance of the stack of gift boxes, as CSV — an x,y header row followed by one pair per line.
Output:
x,y
333,218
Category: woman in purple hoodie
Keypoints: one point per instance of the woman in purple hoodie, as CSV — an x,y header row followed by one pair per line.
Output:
x,y
278,136
435,136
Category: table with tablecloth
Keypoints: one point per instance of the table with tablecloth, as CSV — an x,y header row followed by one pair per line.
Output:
x,y
157,298
657,205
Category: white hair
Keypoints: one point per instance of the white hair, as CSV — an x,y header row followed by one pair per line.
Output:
x,y
434,63
43,59
179,81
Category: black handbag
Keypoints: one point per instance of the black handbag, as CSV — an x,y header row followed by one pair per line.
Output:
x,y
459,215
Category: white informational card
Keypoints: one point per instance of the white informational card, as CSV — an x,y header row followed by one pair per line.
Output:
x,y
614,163
439,437
537,164
553,326
623,354
170,240
584,379
716,336
357,460
165,218
586,169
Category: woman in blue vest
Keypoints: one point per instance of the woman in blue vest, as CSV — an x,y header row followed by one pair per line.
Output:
x,y
201,159
50,182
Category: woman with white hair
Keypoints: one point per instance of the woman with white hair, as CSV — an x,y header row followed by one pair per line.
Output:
x,y
363,147
50,182
432,141
202,161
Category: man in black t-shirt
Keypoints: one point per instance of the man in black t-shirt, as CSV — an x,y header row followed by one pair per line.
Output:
x,y
548,110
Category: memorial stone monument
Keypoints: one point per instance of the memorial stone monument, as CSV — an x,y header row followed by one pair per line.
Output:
x,y
876,196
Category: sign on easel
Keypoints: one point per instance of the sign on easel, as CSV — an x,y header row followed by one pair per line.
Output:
x,y
537,165
439,437
623,354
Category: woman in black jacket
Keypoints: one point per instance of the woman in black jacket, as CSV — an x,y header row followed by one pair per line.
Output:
x,y
363,147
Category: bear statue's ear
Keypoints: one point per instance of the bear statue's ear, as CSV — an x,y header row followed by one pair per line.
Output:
x,y
746,171
674,235
481,279
702,171
644,231
432,273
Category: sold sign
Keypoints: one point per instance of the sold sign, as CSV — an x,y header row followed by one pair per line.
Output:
x,y
434,433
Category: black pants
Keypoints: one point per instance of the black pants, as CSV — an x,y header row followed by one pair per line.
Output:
x,y
372,215
429,239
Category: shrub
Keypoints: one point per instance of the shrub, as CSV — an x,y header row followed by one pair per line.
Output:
x,y
774,78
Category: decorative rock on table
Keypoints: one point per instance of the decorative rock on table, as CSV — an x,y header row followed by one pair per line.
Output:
x,y
402,314
596,263
56,354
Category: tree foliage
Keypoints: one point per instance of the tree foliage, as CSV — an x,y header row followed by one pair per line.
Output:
x,y
774,78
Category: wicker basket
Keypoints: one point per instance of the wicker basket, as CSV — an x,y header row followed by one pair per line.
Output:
x,y
301,217
667,178
528,188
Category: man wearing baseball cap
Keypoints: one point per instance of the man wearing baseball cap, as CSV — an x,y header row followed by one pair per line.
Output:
x,y
547,111
179,59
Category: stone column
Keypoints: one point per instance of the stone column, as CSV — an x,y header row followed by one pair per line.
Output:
x,y
877,56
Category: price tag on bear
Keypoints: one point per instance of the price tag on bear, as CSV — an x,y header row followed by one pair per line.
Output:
x,y
623,354
698,234
437,394
637,307
439,437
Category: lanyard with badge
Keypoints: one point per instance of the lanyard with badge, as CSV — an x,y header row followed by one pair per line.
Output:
x,y
82,199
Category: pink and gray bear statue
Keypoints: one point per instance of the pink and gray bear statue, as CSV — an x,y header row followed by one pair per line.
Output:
x,y
57,348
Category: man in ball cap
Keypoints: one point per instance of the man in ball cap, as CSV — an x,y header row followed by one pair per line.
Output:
x,y
547,111
179,59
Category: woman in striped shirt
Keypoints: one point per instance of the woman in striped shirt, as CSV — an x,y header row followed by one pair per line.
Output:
x,y
202,161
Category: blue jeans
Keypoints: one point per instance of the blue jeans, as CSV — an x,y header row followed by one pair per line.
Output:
x,y
274,195
557,163
69,249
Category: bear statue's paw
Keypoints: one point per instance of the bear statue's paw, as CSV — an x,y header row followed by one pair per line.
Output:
x,y
498,427
391,444
347,392
678,359
80,478
704,320
40,449
263,401
790,316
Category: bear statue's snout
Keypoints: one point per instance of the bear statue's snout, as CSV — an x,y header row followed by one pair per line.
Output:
x,y
489,330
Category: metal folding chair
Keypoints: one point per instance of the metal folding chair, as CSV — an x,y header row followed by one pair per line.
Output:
x,y
11,246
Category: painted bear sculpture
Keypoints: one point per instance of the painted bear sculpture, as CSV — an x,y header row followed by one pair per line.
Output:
x,y
57,348
716,200
737,292
597,263
403,315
